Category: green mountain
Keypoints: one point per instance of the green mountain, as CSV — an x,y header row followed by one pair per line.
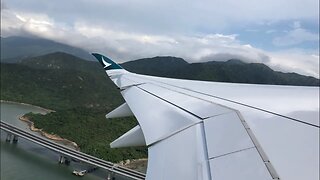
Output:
x,y
15,48
79,92
61,60
230,71
157,66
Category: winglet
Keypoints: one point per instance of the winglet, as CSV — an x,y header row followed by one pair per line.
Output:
x,y
106,63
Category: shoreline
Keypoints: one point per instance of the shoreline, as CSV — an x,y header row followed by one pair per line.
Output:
x,y
53,137
135,164
26,104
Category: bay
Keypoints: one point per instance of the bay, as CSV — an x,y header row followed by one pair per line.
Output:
x,y
28,161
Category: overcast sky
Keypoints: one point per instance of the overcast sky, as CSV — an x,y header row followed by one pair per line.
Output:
x,y
283,34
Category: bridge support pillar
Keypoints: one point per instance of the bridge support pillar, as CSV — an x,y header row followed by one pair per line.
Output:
x,y
61,159
9,136
67,161
111,175
15,139
64,160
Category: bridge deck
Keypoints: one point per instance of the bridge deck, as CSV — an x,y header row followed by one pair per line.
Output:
x,y
72,153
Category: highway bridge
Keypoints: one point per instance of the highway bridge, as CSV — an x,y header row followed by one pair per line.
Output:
x,y
70,153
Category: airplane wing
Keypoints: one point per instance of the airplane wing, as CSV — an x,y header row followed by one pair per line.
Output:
x,y
197,130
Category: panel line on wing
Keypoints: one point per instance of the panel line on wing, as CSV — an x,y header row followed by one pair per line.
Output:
x,y
243,104
243,122
155,126
205,145
176,132
151,82
193,114
202,108
253,147
257,145
245,126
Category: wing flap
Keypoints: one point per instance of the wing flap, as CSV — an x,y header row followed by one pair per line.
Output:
x,y
157,118
242,165
225,134
181,156
164,125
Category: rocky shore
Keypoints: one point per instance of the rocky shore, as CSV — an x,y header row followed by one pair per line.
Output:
x,y
135,164
53,137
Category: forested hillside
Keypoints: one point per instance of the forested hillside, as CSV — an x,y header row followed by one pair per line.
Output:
x,y
230,71
80,93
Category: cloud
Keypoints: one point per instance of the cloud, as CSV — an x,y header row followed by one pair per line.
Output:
x,y
270,31
124,41
129,45
296,60
296,36
164,16
296,24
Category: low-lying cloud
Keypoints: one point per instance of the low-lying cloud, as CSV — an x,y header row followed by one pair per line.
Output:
x,y
124,44
296,36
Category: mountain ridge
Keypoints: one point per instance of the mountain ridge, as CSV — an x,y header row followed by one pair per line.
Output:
x,y
234,71
15,48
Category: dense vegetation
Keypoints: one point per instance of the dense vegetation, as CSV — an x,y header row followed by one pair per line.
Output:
x,y
91,131
81,93
230,71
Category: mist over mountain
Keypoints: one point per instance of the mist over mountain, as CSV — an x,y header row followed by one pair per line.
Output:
x,y
15,48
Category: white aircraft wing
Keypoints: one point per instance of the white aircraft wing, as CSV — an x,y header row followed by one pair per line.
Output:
x,y
197,130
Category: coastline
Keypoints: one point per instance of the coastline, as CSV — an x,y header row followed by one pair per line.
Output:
x,y
26,104
53,137
135,164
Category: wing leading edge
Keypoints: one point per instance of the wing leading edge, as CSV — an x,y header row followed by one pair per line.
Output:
x,y
192,134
